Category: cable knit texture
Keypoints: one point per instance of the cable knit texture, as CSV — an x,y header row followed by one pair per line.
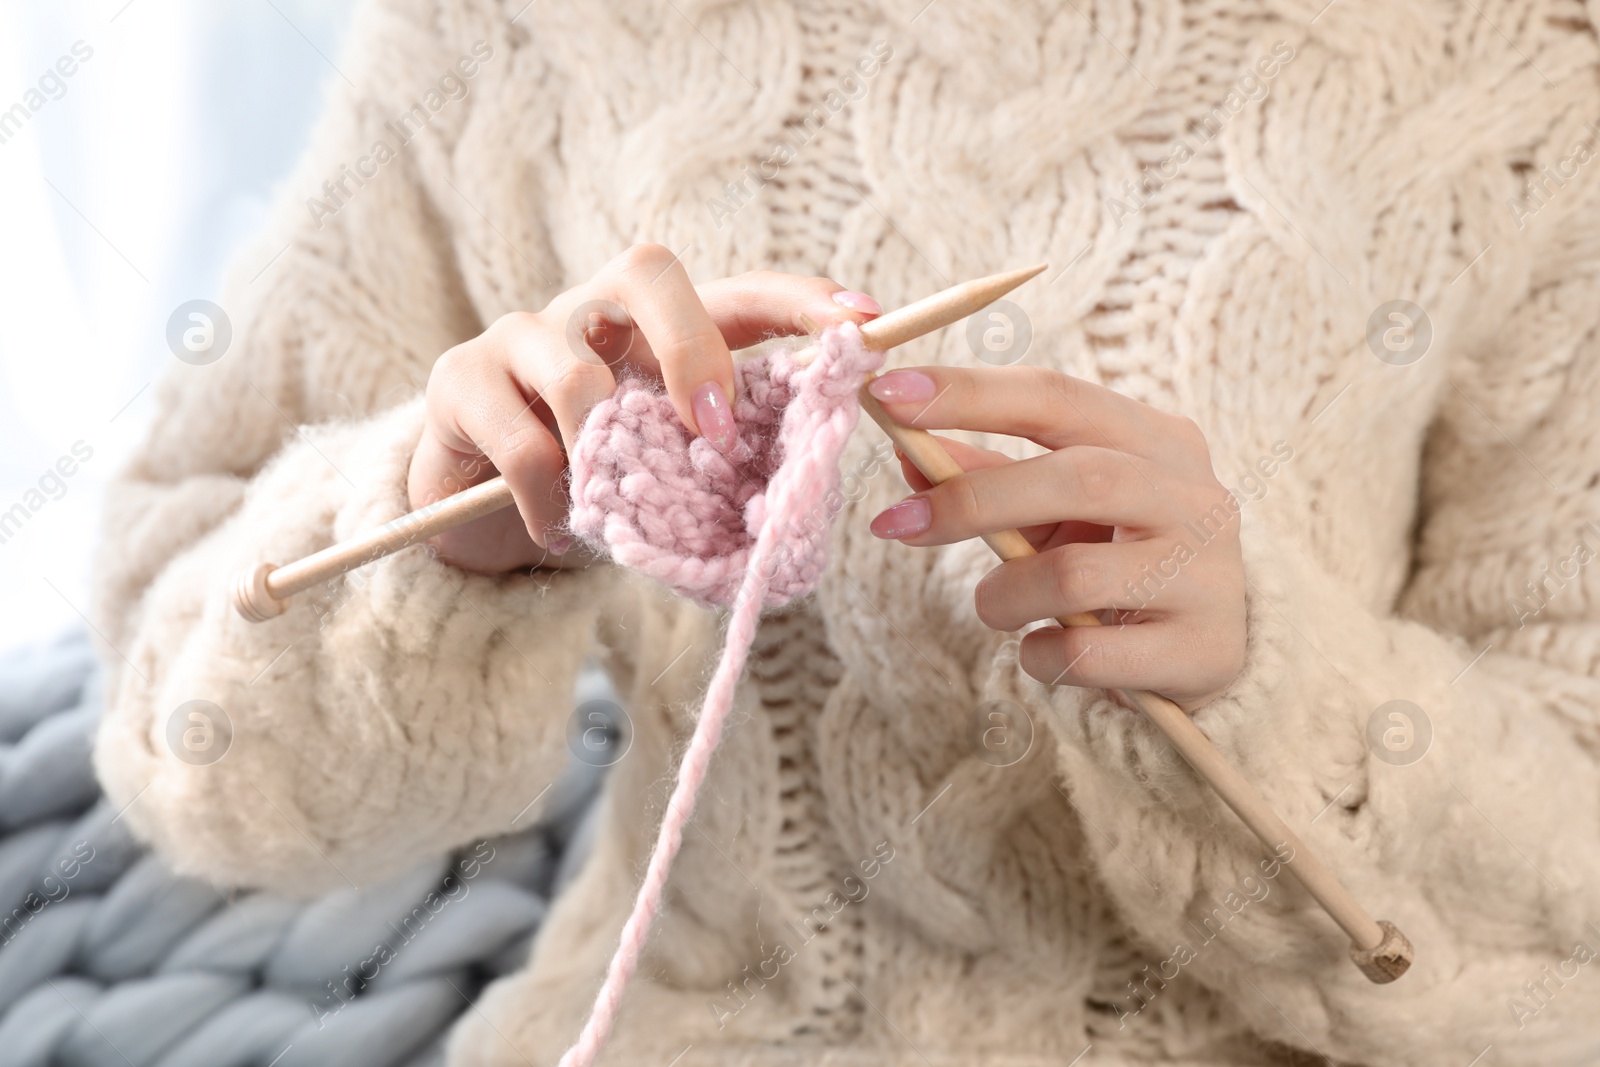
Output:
x,y
1220,240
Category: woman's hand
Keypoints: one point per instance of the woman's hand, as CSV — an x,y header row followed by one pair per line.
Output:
x,y
511,400
1125,511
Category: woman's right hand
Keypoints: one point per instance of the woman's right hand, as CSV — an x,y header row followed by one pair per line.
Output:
x,y
510,401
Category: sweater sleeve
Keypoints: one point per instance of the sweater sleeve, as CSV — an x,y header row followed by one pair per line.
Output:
x,y
409,706
1443,758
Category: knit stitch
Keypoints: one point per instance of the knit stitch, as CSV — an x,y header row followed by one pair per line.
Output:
x,y
670,506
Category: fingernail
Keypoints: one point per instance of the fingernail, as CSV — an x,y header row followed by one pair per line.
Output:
x,y
903,387
559,545
904,519
857,302
714,417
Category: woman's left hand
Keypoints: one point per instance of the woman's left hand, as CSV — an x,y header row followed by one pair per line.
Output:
x,y
1125,511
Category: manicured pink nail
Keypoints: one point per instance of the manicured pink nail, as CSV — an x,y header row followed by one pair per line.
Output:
x,y
714,417
559,545
857,302
903,387
910,516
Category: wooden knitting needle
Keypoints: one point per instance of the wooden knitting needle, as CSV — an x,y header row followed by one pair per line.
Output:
x,y
1378,948
263,592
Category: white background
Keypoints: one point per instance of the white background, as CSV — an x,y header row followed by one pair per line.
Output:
x,y
119,201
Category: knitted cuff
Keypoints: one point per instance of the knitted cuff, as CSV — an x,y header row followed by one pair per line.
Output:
x,y
352,481
383,716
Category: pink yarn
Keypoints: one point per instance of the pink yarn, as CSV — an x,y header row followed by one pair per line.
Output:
x,y
667,504
750,528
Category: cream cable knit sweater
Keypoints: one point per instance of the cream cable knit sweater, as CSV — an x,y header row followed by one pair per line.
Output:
x,y
1092,893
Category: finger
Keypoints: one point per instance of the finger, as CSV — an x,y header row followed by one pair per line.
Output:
x,y
747,309
969,457
478,410
642,310
753,307
1083,484
437,472
1162,657
1046,406
491,544
551,378
914,477
1131,576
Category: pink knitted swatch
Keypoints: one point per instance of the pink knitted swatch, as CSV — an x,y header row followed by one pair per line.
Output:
x,y
665,503
748,529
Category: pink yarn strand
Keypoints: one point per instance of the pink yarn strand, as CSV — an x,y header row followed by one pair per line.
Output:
x,y
680,808
820,421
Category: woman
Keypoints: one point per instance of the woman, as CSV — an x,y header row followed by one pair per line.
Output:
x,y
1305,406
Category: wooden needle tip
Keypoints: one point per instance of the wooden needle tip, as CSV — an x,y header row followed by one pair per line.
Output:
x,y
942,308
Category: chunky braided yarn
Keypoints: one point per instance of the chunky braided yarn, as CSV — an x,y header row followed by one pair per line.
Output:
x,y
751,527
108,956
